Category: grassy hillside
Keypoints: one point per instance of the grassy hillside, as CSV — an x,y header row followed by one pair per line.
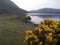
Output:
x,y
8,7
12,29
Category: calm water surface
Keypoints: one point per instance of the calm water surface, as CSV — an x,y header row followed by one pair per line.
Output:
x,y
38,17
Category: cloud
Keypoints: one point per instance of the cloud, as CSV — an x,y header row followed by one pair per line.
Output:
x,y
37,4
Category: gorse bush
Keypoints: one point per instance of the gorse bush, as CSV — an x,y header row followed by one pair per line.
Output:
x,y
46,33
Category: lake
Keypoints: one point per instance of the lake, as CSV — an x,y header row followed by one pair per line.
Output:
x,y
38,17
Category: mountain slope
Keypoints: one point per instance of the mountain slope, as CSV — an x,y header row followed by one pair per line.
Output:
x,y
8,7
47,10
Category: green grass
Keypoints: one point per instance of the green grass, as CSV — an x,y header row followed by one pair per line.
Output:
x,y
12,29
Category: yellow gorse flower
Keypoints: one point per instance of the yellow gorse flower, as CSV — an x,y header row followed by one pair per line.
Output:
x,y
36,40
45,31
41,43
58,34
38,29
50,34
29,32
49,37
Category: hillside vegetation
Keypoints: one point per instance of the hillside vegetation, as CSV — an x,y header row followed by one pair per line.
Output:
x,y
8,7
12,29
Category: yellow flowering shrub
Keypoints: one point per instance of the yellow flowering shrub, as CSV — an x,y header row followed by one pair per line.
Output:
x,y
46,33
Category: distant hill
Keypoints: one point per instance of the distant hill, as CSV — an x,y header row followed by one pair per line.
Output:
x,y
8,7
46,10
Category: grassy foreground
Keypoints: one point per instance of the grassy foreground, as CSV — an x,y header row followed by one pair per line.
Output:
x,y
12,29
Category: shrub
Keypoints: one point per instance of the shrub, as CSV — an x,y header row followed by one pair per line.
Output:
x,y
46,33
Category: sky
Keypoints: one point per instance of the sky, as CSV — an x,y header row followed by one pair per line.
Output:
x,y
37,4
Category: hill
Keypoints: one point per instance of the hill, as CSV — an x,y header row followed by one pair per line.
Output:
x,y
8,7
46,10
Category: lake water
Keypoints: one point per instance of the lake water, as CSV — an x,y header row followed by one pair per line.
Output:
x,y
38,17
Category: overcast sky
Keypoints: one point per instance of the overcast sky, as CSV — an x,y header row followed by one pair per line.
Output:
x,y
37,4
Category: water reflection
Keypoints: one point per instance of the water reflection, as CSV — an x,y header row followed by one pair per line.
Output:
x,y
38,18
